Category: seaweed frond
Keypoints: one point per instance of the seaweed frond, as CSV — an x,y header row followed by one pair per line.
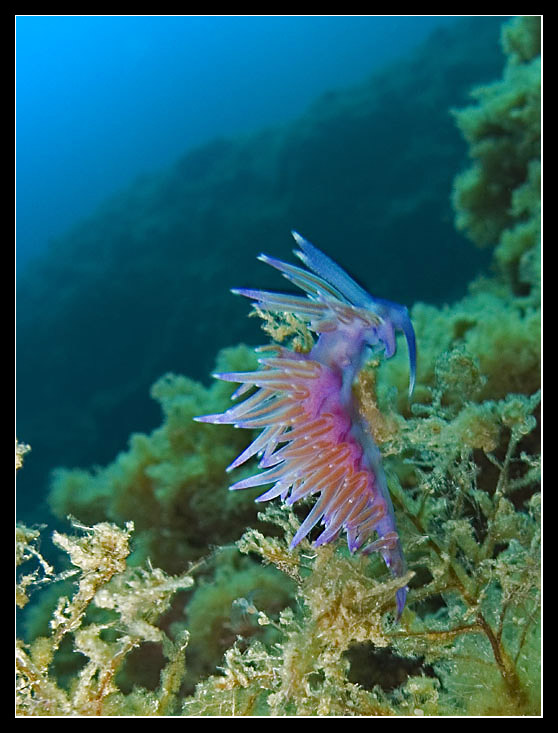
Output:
x,y
136,599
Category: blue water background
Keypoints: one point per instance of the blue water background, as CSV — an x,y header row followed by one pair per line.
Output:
x,y
101,100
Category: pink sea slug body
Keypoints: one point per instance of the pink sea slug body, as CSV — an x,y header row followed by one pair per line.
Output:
x,y
313,439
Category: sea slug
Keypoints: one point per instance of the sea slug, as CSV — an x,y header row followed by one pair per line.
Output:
x,y
313,439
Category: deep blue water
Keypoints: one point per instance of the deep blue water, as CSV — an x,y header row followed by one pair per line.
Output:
x,y
101,100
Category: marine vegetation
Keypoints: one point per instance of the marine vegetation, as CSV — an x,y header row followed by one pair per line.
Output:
x,y
209,608
136,598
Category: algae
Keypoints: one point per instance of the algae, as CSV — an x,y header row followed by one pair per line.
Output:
x,y
137,598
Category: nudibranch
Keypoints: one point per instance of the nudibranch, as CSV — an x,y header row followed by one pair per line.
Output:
x,y
313,438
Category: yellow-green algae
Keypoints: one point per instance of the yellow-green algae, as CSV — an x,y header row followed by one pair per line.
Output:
x,y
254,628
497,199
